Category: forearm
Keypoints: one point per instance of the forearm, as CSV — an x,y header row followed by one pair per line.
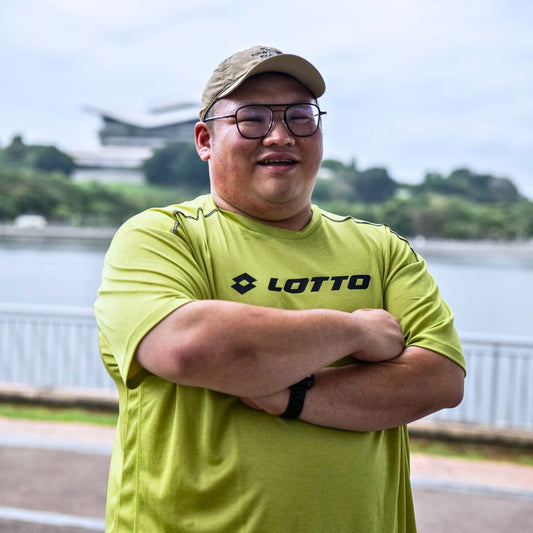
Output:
x,y
376,396
251,351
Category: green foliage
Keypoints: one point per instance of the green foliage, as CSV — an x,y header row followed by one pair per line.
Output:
x,y
463,205
103,204
57,414
339,167
149,195
374,185
55,197
177,164
331,190
46,158
16,150
50,159
398,214
26,191
34,180
479,188
441,216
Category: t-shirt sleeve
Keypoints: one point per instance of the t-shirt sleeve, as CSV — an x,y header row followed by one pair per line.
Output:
x,y
149,271
412,295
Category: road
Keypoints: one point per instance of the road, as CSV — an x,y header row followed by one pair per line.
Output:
x,y
54,478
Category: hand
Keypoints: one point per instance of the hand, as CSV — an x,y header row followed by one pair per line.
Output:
x,y
274,404
381,335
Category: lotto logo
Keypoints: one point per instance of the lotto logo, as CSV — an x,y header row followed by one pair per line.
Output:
x,y
245,282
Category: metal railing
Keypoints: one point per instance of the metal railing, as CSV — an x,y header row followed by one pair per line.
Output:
x,y
498,387
51,347
58,347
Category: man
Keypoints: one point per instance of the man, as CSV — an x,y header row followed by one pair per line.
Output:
x,y
267,354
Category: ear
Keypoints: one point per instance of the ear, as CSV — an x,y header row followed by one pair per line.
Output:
x,y
202,140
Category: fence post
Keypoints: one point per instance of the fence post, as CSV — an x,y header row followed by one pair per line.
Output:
x,y
494,388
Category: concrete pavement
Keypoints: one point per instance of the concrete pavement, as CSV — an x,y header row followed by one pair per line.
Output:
x,y
54,478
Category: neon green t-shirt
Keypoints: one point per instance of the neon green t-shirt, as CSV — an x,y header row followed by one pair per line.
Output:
x,y
189,459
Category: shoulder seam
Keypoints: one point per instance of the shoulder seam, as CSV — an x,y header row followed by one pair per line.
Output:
x,y
178,212
346,218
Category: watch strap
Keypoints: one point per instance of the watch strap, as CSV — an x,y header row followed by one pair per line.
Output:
x,y
297,397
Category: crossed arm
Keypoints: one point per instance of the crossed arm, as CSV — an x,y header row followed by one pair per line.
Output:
x,y
371,397
256,353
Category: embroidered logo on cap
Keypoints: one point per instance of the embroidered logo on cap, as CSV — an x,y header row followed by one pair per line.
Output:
x,y
265,53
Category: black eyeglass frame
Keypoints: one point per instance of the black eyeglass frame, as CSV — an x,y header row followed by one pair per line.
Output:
x,y
271,124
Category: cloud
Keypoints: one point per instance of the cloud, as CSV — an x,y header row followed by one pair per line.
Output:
x,y
412,84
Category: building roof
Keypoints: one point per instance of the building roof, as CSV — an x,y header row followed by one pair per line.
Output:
x,y
155,117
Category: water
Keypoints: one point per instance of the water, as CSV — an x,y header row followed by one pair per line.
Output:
x,y
488,294
51,272
491,295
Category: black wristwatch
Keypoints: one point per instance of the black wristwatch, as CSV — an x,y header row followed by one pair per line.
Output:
x,y
297,397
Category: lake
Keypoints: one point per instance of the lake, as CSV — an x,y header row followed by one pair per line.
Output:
x,y
490,293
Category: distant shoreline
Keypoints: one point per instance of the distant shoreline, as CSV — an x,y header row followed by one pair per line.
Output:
x,y
56,232
452,247
421,245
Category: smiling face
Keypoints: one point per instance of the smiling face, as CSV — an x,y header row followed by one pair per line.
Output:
x,y
269,179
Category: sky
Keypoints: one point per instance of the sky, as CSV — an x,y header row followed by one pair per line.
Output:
x,y
415,86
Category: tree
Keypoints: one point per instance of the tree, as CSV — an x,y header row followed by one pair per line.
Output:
x,y
45,158
16,150
436,183
177,163
398,215
50,159
340,168
478,188
374,185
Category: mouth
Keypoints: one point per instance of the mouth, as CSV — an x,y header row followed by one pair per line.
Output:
x,y
278,162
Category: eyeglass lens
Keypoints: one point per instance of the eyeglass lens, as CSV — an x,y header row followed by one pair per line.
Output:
x,y
255,121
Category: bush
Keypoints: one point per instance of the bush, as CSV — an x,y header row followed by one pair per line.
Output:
x,y
24,191
46,158
374,185
55,197
478,188
50,159
177,164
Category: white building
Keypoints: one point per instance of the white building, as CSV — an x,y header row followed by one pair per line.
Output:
x,y
128,139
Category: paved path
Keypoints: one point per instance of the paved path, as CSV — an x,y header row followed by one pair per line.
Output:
x,y
54,477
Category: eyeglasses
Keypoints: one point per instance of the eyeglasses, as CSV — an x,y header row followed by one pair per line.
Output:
x,y
255,121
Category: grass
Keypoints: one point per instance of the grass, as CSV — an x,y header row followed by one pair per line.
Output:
x,y
57,414
477,451
147,195
464,450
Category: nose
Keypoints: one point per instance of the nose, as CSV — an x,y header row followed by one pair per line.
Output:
x,y
278,134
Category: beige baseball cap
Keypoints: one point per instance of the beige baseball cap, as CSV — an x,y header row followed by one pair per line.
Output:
x,y
236,69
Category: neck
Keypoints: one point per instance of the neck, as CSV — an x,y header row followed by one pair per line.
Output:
x,y
295,222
